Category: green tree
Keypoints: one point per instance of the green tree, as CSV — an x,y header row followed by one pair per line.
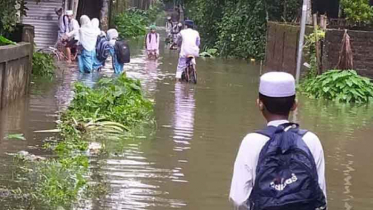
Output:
x,y
238,27
11,11
358,11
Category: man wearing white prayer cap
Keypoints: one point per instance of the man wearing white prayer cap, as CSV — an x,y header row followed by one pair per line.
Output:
x,y
276,100
69,13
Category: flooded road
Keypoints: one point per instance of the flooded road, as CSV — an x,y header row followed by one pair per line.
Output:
x,y
187,162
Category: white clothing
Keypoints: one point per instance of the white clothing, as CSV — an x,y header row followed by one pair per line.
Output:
x,y
87,36
74,30
112,34
63,26
247,159
190,41
277,84
96,26
152,42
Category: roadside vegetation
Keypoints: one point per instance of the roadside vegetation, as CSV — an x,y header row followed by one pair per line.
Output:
x,y
133,22
238,28
340,86
107,112
10,12
43,65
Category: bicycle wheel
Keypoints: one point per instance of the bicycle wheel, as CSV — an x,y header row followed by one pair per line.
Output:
x,y
193,75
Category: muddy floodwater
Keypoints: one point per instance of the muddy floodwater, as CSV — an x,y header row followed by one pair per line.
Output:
x,y
187,161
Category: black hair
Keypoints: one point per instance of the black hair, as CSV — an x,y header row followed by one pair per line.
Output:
x,y
279,106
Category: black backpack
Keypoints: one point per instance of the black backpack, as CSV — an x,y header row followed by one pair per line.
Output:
x,y
122,51
286,174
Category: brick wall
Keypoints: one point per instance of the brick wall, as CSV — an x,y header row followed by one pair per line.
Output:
x,y
362,48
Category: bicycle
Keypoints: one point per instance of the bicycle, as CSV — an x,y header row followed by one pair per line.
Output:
x,y
54,52
190,72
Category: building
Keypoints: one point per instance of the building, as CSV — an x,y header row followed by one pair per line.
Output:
x,y
43,17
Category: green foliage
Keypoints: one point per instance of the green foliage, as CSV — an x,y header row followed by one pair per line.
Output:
x,y
43,64
10,12
358,11
340,86
310,49
18,136
119,100
242,30
155,11
5,41
61,181
238,27
131,23
209,53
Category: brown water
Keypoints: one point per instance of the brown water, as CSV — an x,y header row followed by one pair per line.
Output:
x,y
187,162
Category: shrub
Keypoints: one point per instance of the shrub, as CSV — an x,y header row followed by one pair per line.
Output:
x,y
358,11
5,41
341,86
43,64
9,12
119,100
238,27
131,23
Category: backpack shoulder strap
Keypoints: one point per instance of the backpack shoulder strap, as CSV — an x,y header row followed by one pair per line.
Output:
x,y
268,131
302,132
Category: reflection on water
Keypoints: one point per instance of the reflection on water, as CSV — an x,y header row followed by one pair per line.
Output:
x,y
188,162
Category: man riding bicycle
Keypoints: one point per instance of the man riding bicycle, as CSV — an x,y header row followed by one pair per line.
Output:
x,y
188,40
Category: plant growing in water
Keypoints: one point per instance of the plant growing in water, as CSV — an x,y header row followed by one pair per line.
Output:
x,y
341,86
42,64
106,111
119,100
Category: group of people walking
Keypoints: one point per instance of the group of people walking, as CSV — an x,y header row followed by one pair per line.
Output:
x,y
89,44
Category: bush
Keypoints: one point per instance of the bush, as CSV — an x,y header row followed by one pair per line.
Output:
x,y
119,100
155,11
358,11
9,12
42,64
341,86
131,23
242,33
238,27
64,180
5,41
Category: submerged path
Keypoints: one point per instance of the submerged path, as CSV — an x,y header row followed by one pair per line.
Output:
x,y
187,161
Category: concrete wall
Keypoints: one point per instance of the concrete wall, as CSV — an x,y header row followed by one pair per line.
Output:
x,y
362,48
15,68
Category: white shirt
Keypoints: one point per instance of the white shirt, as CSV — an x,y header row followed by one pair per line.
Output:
x,y
74,29
247,159
190,42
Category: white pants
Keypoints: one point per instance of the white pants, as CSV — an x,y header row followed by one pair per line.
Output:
x,y
181,66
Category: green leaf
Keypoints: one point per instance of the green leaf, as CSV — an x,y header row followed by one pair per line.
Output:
x,y
15,137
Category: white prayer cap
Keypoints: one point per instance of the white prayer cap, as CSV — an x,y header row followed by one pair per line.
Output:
x,y
69,12
277,84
